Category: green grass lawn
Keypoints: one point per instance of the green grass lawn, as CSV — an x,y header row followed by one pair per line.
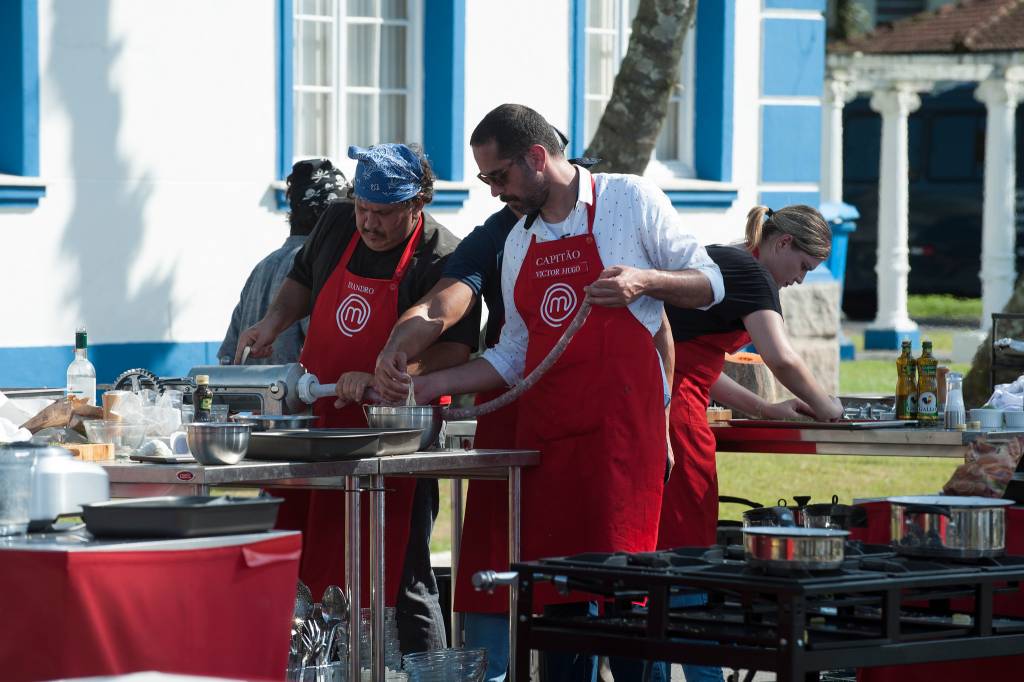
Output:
x,y
949,309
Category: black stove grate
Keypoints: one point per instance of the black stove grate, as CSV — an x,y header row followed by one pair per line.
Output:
x,y
878,608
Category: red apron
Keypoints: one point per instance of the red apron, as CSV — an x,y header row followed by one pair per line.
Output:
x,y
597,416
351,320
486,515
689,511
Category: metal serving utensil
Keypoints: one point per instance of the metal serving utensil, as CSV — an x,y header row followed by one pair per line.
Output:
x,y
335,613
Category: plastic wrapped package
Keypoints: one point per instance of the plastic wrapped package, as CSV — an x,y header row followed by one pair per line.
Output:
x,y
987,469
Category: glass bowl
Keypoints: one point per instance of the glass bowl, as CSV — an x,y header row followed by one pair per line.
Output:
x,y
126,437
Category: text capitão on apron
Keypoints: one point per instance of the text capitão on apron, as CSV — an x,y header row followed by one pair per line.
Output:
x,y
353,314
558,304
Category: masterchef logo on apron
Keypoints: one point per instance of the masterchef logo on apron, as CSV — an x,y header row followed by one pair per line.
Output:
x,y
353,314
558,303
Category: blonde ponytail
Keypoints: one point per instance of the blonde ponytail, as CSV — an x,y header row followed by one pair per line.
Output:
x,y
810,233
755,227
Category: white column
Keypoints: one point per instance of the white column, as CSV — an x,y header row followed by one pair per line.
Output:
x,y
998,231
837,94
893,265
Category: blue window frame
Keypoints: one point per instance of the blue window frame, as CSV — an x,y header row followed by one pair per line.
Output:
x,y
19,101
437,111
713,79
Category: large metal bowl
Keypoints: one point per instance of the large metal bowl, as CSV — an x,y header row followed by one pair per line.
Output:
x,y
217,442
429,418
274,422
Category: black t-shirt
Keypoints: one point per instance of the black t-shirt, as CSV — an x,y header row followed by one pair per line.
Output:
x,y
749,287
325,246
477,264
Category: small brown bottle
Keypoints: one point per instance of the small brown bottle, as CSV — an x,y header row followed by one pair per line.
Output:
x,y
202,399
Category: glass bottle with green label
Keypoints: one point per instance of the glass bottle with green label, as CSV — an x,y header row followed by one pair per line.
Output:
x,y
202,399
906,384
927,385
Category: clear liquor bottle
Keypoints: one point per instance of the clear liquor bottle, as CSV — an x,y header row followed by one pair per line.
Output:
x,y
81,373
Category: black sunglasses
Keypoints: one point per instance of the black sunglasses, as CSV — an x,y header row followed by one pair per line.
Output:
x,y
500,176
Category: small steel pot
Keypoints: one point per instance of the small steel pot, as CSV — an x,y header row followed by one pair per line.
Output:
x,y
949,526
794,548
836,516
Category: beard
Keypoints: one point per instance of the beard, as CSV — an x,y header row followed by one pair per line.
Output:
x,y
530,201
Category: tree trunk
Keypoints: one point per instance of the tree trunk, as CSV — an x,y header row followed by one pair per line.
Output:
x,y
633,117
977,383
852,19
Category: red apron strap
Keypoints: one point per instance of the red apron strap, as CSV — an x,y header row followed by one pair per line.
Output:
x,y
410,248
592,206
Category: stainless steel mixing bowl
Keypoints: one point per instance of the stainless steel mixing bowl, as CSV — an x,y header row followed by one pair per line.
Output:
x,y
217,442
429,418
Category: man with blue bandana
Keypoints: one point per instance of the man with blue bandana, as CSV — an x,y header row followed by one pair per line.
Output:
x,y
366,262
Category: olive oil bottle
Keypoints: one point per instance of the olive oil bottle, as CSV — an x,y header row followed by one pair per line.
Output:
x,y
927,386
906,384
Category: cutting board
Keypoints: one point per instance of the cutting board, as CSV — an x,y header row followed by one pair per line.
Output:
x,y
91,452
846,424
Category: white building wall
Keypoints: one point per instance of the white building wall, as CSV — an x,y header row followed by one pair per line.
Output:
x,y
158,151
157,128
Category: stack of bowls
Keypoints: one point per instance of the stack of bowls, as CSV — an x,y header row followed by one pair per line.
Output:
x,y
447,665
392,652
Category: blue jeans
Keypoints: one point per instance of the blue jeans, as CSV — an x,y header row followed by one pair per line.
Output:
x,y
489,631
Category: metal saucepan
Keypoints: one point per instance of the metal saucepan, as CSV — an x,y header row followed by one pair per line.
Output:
x,y
269,422
949,526
728,531
769,517
834,515
813,549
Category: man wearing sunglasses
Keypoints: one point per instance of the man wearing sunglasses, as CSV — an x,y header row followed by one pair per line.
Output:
x,y
473,271
596,414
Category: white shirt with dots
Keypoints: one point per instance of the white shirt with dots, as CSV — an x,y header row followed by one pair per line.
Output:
x,y
635,224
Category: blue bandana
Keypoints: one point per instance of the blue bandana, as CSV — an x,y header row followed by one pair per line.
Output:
x,y
386,173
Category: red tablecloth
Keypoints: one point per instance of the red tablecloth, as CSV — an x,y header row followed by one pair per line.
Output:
x,y
981,670
211,611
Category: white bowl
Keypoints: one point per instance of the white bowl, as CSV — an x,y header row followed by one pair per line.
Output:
x,y
989,418
1014,419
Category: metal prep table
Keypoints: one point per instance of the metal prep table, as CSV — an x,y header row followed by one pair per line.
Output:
x,y
135,479
888,442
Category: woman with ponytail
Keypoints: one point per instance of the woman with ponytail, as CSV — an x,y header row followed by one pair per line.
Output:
x,y
779,249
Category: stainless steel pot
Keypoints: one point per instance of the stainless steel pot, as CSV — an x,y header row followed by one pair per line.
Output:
x,y
274,422
794,548
429,418
836,516
949,526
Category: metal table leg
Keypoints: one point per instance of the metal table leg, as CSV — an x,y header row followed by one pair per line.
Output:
x,y
513,557
353,579
456,619
377,584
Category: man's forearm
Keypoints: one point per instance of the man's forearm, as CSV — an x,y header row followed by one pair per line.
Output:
x,y
291,304
439,356
683,288
422,324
